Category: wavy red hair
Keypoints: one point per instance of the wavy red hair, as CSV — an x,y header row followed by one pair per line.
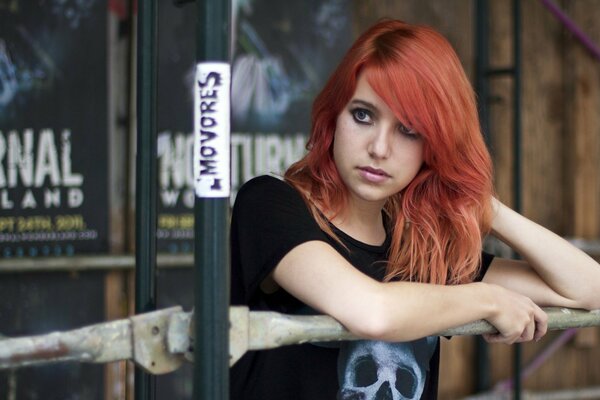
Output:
x,y
439,219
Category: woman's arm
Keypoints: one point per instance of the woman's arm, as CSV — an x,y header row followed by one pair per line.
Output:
x,y
398,311
553,273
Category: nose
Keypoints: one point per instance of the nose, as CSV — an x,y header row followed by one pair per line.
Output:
x,y
380,144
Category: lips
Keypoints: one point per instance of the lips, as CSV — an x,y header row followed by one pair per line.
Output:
x,y
373,175
374,171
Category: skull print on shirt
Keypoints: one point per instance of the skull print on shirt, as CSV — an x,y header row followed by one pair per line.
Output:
x,y
374,370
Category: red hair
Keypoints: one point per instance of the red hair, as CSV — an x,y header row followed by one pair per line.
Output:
x,y
439,219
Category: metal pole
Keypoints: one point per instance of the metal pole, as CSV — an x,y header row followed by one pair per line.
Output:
x,y
482,65
212,171
146,174
518,206
482,363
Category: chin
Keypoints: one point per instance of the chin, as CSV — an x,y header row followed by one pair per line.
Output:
x,y
372,196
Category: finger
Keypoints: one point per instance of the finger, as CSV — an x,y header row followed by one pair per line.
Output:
x,y
489,337
528,331
541,324
498,338
492,337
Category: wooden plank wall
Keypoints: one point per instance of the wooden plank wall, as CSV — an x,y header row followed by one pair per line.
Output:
x,y
560,151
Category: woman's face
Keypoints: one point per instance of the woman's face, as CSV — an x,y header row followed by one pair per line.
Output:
x,y
375,154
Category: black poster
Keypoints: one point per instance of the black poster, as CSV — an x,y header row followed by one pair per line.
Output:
x,y
283,51
40,303
53,127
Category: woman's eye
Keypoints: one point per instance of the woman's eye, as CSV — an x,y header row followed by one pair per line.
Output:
x,y
411,133
361,115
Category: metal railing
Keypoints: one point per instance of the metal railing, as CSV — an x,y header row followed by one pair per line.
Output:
x,y
160,341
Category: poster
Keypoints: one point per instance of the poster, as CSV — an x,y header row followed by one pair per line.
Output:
x,y
282,53
53,128
39,303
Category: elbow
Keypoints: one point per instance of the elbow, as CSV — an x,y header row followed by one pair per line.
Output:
x,y
589,296
593,302
379,322
373,328
590,303
588,300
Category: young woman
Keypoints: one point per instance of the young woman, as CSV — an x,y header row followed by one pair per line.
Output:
x,y
380,225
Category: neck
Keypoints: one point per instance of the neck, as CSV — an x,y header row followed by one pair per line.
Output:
x,y
363,222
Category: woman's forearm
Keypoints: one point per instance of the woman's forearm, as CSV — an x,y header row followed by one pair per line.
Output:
x,y
406,311
400,311
411,310
565,269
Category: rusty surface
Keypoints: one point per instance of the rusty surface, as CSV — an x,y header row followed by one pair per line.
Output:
x,y
42,352
159,341
150,347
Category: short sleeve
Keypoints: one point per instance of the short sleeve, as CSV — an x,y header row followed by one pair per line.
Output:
x,y
269,219
486,260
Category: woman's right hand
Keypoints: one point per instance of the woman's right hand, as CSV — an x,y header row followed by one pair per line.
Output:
x,y
516,317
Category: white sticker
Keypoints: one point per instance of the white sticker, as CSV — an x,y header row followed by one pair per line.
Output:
x,y
212,130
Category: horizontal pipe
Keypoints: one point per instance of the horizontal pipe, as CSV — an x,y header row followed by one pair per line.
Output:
x,y
589,393
158,334
165,260
88,263
257,330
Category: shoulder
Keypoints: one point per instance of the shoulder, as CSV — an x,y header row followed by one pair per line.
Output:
x,y
263,182
267,197
267,189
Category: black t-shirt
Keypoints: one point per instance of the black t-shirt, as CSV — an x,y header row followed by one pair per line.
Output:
x,y
269,219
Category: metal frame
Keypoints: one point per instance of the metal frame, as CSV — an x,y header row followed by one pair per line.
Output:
x,y
211,237
160,341
90,263
484,72
146,177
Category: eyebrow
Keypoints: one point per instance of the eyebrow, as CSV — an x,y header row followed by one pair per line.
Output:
x,y
372,107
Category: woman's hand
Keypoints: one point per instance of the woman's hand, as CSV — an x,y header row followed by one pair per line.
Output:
x,y
516,317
